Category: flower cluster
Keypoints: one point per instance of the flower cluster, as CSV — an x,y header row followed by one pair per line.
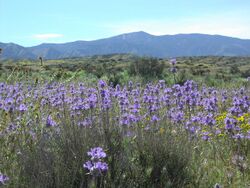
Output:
x,y
96,166
203,112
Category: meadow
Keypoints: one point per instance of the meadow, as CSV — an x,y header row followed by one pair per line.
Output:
x,y
125,121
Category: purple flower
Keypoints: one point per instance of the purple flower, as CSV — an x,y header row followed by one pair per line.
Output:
x,y
238,136
173,69
96,153
161,83
209,120
229,123
248,135
50,122
217,185
154,118
118,87
96,168
85,123
12,127
196,119
124,119
102,166
130,84
88,165
177,116
205,136
217,131
102,83
173,62
3,179
23,108
9,101
235,110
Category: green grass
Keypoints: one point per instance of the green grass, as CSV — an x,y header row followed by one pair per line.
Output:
x,y
212,71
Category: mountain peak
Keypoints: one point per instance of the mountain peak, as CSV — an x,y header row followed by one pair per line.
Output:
x,y
138,33
139,36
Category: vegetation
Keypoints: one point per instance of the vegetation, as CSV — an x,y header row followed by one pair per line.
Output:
x,y
120,68
112,121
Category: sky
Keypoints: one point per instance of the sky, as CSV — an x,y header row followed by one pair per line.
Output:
x,y
32,22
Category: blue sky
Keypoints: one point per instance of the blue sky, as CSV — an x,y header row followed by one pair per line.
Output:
x,y
31,22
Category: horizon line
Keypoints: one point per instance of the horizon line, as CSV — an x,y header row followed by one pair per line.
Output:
x,y
82,40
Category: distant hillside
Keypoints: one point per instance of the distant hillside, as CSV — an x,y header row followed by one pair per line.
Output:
x,y
14,51
138,43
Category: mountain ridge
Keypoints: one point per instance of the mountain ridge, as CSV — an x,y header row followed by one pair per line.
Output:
x,y
138,43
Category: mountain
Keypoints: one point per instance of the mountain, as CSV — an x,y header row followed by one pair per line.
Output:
x,y
139,43
14,51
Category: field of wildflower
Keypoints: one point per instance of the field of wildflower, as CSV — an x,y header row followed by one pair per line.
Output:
x,y
134,135
83,134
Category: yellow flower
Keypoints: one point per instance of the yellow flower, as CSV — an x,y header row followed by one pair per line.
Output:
x,y
221,116
241,118
246,115
162,130
245,127
221,135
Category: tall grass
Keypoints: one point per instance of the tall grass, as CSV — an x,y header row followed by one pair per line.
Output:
x,y
154,135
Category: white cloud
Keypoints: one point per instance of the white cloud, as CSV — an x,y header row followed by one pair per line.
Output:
x,y
223,25
47,36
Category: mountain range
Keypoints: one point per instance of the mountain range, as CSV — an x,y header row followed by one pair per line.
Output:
x,y
138,43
